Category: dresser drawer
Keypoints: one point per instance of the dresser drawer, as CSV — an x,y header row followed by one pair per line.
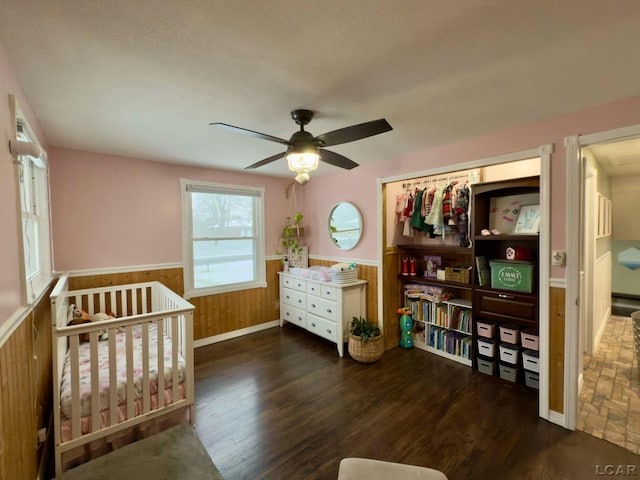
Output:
x,y
313,288
295,283
322,308
506,306
329,292
322,327
294,315
294,298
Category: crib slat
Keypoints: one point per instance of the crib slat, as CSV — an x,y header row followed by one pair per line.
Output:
x,y
123,303
134,301
74,343
144,300
90,307
113,378
174,360
95,382
160,346
146,387
130,385
113,304
102,307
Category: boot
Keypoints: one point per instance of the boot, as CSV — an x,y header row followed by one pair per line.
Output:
x,y
412,267
405,267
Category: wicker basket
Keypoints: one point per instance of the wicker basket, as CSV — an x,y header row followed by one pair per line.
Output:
x,y
367,352
460,275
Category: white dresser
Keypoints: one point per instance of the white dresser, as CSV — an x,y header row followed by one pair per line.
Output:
x,y
323,308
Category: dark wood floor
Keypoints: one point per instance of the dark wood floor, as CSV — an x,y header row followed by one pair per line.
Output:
x,y
281,404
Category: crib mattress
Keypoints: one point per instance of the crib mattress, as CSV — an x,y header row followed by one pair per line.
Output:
x,y
121,370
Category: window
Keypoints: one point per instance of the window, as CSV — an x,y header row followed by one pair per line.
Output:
x,y
32,173
223,238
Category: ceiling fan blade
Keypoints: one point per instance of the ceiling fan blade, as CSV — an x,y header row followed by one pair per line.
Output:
x,y
246,131
270,159
333,158
354,132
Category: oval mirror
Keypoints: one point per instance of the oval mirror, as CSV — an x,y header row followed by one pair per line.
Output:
x,y
345,225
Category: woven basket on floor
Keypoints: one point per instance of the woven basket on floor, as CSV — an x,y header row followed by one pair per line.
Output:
x,y
367,352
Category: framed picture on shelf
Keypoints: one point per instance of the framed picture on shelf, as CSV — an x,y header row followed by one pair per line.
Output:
x,y
528,220
431,265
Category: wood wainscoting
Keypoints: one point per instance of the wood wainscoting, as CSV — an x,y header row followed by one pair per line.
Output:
x,y
557,298
214,314
25,392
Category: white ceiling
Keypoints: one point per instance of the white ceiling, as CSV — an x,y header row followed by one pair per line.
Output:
x,y
144,78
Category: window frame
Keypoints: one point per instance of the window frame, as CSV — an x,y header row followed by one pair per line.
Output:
x,y
33,207
259,260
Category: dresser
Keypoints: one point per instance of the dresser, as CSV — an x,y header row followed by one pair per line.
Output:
x,y
323,308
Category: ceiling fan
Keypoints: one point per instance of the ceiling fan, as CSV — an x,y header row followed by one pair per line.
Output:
x,y
304,150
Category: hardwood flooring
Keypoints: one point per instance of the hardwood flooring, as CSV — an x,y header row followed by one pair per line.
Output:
x,y
281,404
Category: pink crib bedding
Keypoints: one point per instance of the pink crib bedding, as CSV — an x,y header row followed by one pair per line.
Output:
x,y
103,373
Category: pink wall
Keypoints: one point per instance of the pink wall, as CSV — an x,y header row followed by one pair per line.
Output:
x,y
11,283
112,211
359,185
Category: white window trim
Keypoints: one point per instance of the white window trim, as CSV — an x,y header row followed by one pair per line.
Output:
x,y
187,244
35,285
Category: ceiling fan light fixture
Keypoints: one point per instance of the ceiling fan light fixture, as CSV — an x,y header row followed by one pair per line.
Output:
x,y
303,159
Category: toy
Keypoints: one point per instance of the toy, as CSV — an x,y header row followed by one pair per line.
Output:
x,y
80,317
406,340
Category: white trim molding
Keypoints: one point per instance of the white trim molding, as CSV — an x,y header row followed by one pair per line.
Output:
x,y
558,283
360,261
123,269
234,334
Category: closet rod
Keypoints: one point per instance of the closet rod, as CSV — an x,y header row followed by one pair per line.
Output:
x,y
471,176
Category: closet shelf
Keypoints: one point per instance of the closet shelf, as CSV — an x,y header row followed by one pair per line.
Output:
x,y
438,248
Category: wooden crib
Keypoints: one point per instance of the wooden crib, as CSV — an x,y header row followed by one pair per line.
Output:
x,y
139,379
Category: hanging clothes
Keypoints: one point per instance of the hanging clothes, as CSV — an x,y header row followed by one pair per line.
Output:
x,y
435,217
417,220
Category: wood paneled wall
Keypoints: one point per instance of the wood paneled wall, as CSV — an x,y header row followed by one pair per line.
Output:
x,y
365,272
25,393
214,314
557,298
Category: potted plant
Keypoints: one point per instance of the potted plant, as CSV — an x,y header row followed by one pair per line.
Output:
x,y
291,233
365,341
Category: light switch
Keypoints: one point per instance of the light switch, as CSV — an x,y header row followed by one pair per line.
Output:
x,y
557,258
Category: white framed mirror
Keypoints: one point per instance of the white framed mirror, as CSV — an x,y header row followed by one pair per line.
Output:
x,y
345,225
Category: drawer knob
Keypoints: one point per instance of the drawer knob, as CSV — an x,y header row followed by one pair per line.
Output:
x,y
300,318
287,314
504,295
328,331
313,305
288,297
299,300
313,324
328,310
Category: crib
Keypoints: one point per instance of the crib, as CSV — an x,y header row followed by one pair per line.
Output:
x,y
137,381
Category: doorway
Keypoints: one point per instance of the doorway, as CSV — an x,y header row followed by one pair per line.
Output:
x,y
607,379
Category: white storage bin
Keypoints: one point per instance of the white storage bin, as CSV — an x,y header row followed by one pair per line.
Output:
x,y
486,329
530,339
486,366
531,379
530,361
508,373
509,353
509,334
487,347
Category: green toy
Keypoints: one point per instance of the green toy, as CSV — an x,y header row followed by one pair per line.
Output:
x,y
406,322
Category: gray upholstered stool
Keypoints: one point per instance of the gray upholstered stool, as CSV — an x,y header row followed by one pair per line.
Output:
x,y
366,469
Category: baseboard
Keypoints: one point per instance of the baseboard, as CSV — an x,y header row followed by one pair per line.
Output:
x,y
236,333
600,332
557,418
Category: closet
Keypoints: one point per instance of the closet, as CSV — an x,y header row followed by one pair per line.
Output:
x,y
430,267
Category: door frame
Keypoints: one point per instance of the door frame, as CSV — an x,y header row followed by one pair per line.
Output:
x,y
573,146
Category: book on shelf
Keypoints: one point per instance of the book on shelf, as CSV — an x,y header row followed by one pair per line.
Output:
x,y
484,274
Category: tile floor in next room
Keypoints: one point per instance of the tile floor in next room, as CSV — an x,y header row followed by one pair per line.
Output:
x,y
609,402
